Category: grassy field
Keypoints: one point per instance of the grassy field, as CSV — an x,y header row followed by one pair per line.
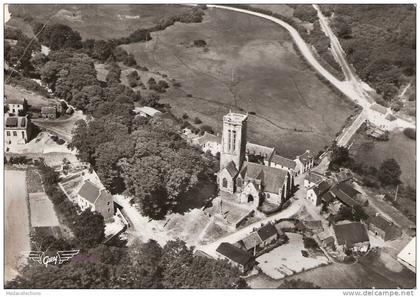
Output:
x,y
95,21
399,147
248,65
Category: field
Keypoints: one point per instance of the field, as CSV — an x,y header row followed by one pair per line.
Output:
x,y
96,21
42,211
249,65
16,222
399,147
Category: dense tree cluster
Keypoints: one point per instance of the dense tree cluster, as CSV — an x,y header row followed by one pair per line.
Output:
x,y
304,12
142,265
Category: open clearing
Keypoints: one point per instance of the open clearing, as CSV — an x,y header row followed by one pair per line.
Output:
x,y
250,65
399,147
287,259
16,222
42,211
96,21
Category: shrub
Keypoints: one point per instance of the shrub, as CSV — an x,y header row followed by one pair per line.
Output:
x,y
410,133
197,121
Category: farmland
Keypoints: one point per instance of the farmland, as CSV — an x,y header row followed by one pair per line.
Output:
x,y
248,65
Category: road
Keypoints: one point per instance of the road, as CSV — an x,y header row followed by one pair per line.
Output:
x,y
347,134
352,87
16,226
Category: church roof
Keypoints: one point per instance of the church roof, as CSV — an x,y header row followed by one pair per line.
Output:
x,y
272,178
231,168
259,150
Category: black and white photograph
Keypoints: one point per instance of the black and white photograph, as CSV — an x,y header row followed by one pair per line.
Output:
x,y
209,146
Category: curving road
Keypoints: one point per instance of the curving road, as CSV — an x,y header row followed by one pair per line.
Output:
x,y
352,87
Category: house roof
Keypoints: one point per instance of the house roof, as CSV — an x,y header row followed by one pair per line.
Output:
x,y
306,157
16,122
313,224
276,159
328,197
49,109
408,253
350,233
379,108
234,253
150,111
231,168
345,193
381,223
266,231
271,178
314,177
251,241
92,193
259,150
321,188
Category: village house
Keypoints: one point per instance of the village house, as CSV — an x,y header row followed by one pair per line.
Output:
x,y
352,236
314,194
208,142
346,194
312,179
235,256
382,228
262,238
17,129
251,181
100,200
15,105
49,112
146,111
304,162
407,256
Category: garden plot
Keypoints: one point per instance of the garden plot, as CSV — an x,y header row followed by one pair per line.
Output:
x,y
42,211
287,259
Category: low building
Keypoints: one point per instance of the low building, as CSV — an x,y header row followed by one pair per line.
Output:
x,y
49,112
268,234
235,256
352,236
283,163
208,142
315,226
312,179
146,111
100,200
382,228
407,256
314,194
259,153
304,162
346,194
17,130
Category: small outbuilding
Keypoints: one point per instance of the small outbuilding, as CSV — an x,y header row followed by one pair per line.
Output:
x,y
235,256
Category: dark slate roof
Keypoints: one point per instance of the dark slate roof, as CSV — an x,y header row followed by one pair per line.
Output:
x,y
266,231
272,178
231,168
16,122
351,233
234,253
283,162
345,193
348,189
321,188
251,241
89,191
381,223
328,197
259,150
12,122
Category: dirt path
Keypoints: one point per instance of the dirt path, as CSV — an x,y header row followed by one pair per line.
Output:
x,y
16,222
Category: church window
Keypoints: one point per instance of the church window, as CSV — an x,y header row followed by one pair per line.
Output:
x,y
229,139
224,183
234,141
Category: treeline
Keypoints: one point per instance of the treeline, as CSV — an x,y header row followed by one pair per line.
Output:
x,y
140,266
380,42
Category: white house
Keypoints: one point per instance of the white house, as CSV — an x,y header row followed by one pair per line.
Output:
x,y
100,200
16,129
304,162
407,256
315,193
14,105
313,179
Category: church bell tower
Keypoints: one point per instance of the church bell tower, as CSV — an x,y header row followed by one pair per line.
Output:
x,y
233,139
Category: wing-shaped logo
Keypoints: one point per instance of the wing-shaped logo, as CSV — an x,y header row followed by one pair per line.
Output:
x,y
36,256
66,255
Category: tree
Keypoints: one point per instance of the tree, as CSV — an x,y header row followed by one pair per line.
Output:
x,y
340,157
89,228
389,172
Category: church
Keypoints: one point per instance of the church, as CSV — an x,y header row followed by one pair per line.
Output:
x,y
246,169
